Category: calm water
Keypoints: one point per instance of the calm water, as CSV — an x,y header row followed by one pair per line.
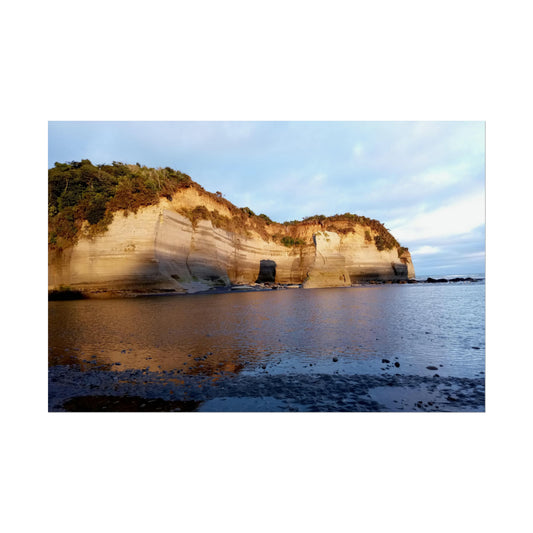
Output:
x,y
279,332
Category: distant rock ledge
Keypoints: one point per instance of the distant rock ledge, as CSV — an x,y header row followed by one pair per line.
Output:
x,y
72,294
160,249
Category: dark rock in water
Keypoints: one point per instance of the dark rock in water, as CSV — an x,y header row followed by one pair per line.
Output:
x,y
396,364
127,404
335,359
433,280
436,376
65,294
475,347
385,361
431,367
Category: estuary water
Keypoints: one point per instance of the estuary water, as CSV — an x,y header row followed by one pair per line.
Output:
x,y
293,349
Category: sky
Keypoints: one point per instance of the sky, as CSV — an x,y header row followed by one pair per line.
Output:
x,y
425,181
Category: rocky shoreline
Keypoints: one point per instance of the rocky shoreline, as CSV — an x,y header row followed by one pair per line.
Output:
x,y
68,293
71,389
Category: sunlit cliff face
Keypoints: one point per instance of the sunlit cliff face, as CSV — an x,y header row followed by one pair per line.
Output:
x,y
164,247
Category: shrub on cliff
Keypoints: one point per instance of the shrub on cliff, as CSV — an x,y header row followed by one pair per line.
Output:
x,y
248,211
315,219
291,241
385,241
268,220
402,250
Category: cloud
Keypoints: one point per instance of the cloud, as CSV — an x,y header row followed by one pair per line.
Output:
x,y
426,250
358,150
459,217
438,178
317,179
475,255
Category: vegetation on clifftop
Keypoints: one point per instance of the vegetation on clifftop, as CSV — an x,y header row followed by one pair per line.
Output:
x,y
81,194
81,191
383,239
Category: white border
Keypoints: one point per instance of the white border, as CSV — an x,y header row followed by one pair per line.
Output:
x,y
292,61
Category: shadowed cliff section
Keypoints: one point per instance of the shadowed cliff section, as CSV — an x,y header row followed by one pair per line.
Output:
x,y
131,227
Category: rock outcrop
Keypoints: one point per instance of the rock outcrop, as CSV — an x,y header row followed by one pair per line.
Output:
x,y
163,247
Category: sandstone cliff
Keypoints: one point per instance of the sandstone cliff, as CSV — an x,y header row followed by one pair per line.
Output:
x,y
192,240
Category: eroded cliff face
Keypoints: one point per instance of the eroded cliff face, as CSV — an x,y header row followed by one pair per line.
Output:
x,y
163,247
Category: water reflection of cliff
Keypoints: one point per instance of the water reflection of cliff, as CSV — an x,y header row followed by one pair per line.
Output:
x,y
214,334
147,334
